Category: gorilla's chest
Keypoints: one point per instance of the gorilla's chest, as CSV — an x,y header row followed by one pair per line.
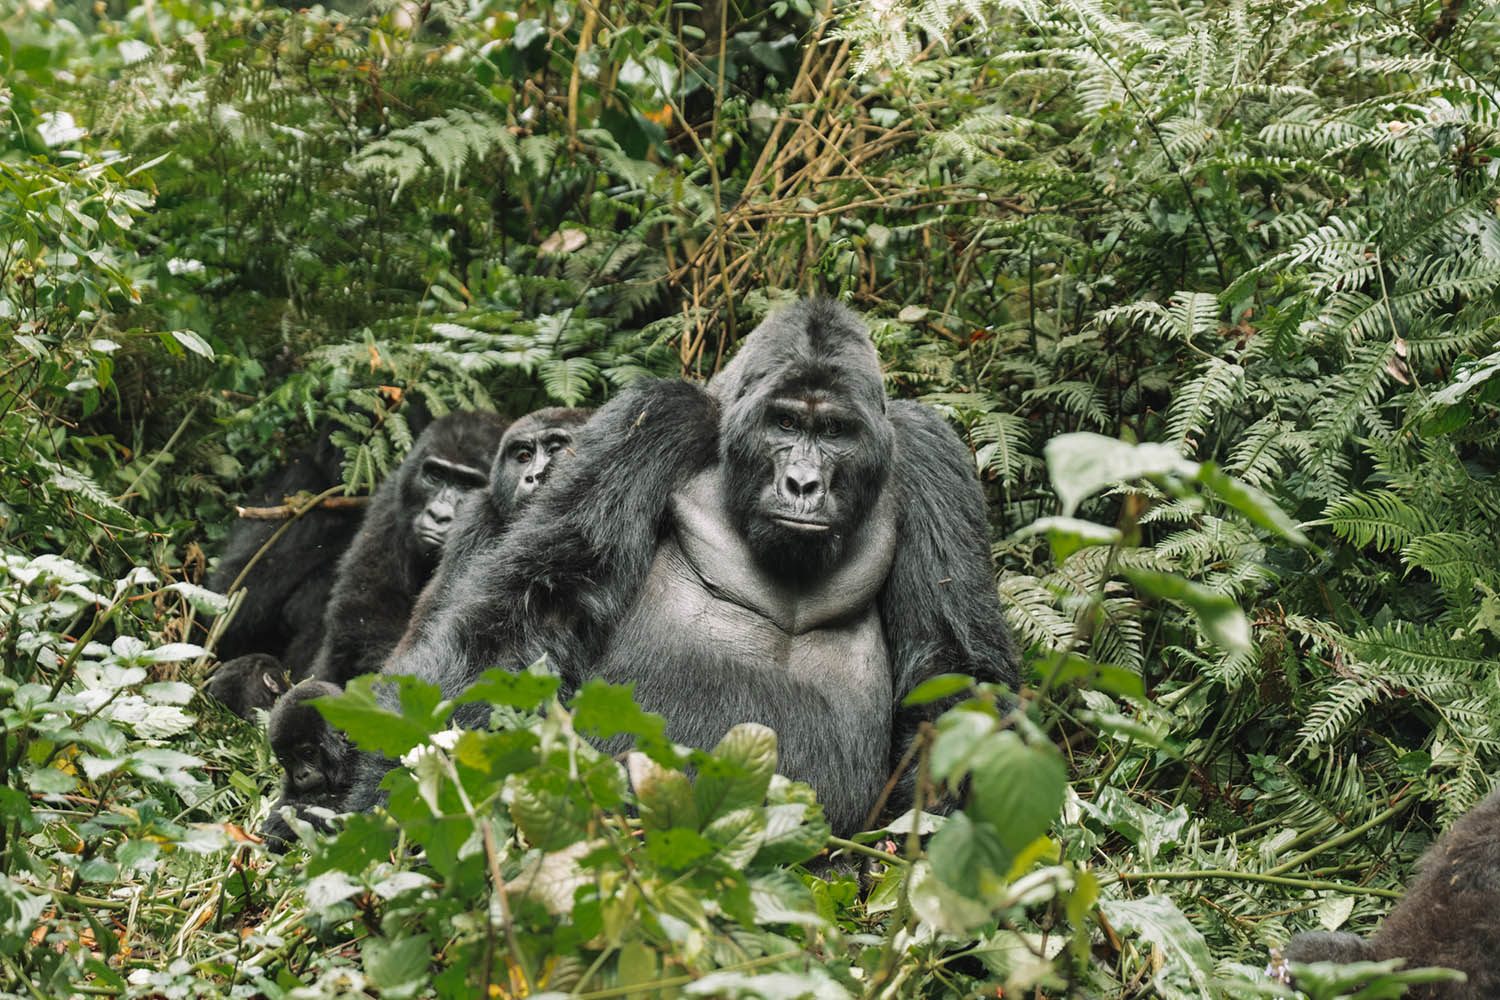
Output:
x,y
711,624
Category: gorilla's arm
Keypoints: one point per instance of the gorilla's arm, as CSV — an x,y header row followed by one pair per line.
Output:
x,y
939,605
367,611
578,553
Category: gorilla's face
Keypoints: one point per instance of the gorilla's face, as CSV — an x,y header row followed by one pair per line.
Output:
x,y
432,498
524,457
313,754
802,478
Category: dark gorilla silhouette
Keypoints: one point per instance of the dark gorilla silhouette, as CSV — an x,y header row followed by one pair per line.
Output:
x,y
280,618
1449,917
316,758
303,741
791,548
400,542
248,682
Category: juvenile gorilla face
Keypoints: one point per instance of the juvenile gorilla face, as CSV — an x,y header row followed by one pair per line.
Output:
x,y
528,449
314,755
317,759
433,493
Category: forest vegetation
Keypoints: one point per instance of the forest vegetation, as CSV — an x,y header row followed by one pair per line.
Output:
x,y
1208,286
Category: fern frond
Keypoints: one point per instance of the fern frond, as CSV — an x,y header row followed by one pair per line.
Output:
x,y
1380,518
1195,406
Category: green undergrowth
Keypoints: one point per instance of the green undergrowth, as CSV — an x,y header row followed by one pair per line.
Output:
x,y
1209,290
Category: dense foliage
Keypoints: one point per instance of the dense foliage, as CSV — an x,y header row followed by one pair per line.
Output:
x,y
1210,288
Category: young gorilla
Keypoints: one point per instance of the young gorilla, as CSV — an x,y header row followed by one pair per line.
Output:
x,y
1450,915
791,549
316,757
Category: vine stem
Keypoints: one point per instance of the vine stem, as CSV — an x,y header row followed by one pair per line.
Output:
x,y
1234,876
1402,802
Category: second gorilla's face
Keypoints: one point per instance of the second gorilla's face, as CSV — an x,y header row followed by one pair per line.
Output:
x,y
440,485
525,457
527,451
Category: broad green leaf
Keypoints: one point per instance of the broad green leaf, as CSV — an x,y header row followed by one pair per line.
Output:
x,y
1081,464
1017,787
737,773
959,735
398,965
738,836
937,688
1098,676
795,832
1067,535
610,709
373,727
523,690
1255,505
678,847
665,797
961,849
1220,618
550,817
1158,922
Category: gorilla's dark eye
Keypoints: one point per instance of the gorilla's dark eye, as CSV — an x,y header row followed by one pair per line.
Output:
x,y
524,457
833,428
786,423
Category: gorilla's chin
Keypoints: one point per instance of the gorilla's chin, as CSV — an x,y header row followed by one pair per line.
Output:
x,y
794,549
430,539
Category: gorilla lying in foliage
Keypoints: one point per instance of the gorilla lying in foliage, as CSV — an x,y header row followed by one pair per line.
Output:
x,y
792,548
1449,917
316,757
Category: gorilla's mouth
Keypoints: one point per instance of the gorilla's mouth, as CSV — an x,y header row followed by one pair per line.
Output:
x,y
797,524
431,537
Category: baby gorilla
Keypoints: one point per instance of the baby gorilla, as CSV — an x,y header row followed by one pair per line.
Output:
x,y
316,757
1450,916
312,752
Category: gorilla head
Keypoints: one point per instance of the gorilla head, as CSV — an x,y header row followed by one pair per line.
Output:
x,y
317,759
448,461
526,451
805,442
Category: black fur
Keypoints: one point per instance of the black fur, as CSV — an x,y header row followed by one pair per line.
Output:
x,y
846,551
280,616
317,759
1449,917
400,542
520,466
246,683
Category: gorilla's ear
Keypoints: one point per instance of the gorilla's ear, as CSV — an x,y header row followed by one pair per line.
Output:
x,y
273,683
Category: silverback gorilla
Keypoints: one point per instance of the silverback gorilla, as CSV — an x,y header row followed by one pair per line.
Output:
x,y
789,548
1450,915
316,757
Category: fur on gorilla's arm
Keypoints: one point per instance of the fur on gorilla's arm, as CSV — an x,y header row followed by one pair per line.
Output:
x,y
366,612
939,605
578,553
